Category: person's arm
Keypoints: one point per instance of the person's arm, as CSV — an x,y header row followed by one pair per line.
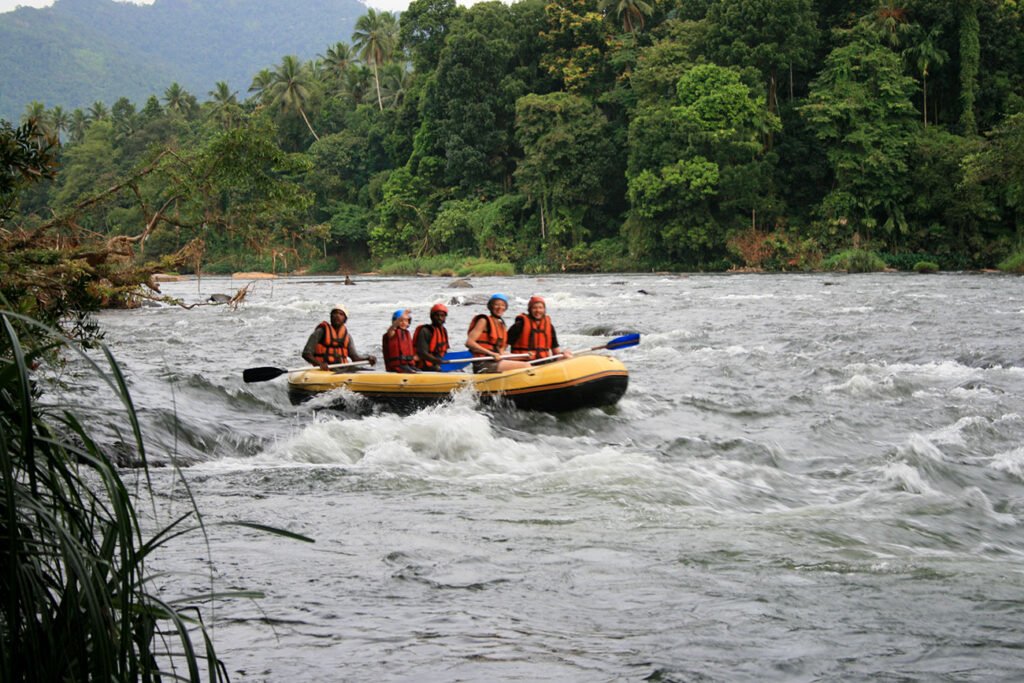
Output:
x,y
555,350
308,351
354,355
472,344
423,346
515,331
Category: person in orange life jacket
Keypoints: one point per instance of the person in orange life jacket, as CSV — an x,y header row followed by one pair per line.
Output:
x,y
397,343
489,337
331,344
533,333
431,341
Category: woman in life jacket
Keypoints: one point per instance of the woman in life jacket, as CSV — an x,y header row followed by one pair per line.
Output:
x,y
489,337
397,343
431,341
330,343
533,333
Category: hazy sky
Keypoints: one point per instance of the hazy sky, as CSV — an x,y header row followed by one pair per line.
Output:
x,y
393,5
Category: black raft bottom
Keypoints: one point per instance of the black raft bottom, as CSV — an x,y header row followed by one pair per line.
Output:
x,y
599,392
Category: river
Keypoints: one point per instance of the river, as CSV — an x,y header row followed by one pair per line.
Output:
x,y
810,477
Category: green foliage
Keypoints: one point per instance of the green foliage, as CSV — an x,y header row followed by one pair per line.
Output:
x,y
26,156
78,601
702,134
1013,264
859,108
695,168
567,156
926,267
855,261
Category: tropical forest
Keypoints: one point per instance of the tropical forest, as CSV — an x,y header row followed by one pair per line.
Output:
x,y
531,137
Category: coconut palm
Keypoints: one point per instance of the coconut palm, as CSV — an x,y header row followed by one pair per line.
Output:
x,y
338,58
79,122
630,12
260,83
290,88
60,120
225,102
397,78
374,40
221,93
97,112
356,83
178,99
35,111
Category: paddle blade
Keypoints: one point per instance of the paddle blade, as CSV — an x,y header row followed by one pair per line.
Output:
x,y
261,374
624,341
450,361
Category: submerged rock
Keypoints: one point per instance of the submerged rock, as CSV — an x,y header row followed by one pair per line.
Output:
x,y
460,283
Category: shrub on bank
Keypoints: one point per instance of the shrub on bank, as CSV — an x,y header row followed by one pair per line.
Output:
x,y
1013,264
78,601
855,261
926,267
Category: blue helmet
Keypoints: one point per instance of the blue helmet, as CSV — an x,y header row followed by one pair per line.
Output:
x,y
498,296
397,314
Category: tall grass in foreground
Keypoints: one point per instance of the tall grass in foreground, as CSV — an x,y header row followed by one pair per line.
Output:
x,y
75,598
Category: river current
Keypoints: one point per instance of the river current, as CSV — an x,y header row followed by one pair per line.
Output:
x,y
810,477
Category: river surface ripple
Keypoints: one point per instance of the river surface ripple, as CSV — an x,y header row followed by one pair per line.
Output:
x,y
810,477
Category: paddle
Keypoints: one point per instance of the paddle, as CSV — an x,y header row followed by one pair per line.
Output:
x,y
622,342
268,373
454,361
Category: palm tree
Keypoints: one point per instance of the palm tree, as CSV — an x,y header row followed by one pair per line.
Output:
x,y
356,83
221,93
890,20
79,122
97,112
177,98
630,12
35,111
397,78
260,83
59,119
926,54
225,102
374,39
339,57
290,88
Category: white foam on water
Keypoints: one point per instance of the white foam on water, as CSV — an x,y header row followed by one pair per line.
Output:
x,y
954,434
742,297
1010,462
863,385
904,477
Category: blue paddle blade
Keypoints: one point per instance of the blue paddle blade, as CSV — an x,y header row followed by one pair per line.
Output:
x,y
624,341
447,366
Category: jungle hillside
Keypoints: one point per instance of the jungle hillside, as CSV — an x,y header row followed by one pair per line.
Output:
x,y
581,135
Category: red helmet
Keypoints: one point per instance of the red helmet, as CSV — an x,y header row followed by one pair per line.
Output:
x,y
535,299
439,307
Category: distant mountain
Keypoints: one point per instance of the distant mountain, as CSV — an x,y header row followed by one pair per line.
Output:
x,y
81,51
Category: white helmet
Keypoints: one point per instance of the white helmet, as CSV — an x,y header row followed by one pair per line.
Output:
x,y
339,307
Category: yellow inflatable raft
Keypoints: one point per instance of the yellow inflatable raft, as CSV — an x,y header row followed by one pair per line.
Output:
x,y
567,384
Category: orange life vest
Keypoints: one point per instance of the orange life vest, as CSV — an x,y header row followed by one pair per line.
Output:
x,y
438,346
495,334
397,350
534,337
334,348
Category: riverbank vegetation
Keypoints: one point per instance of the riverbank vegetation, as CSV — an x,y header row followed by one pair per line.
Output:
x,y
582,135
